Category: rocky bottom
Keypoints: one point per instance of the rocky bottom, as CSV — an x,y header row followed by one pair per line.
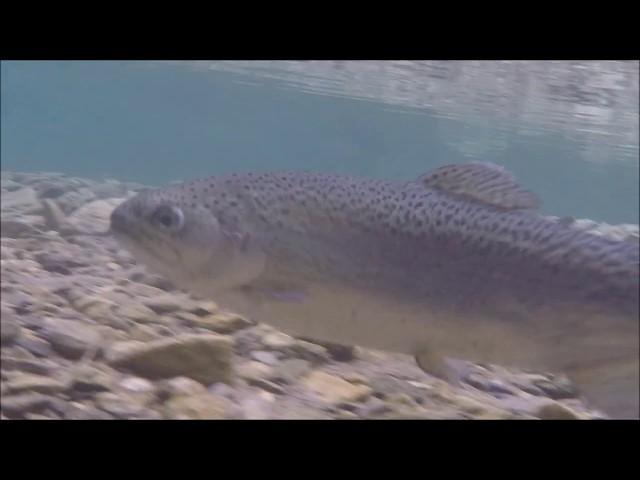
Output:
x,y
87,334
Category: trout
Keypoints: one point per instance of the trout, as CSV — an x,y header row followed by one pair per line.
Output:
x,y
455,264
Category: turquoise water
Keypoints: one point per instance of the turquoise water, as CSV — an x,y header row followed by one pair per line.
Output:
x,y
573,143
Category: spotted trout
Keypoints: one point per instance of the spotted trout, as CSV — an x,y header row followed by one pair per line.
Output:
x,y
456,264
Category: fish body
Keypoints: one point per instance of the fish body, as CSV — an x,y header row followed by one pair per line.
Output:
x,y
455,264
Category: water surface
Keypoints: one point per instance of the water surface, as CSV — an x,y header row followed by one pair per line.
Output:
x,y
568,130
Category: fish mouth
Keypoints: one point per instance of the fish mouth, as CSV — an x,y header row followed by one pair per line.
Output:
x,y
148,247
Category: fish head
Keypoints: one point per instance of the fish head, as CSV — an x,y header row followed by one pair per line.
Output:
x,y
177,236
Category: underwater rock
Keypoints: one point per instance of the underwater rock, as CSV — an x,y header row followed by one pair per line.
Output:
x,y
335,389
25,200
75,199
204,358
70,338
35,383
180,386
93,217
203,406
9,329
126,406
13,228
34,344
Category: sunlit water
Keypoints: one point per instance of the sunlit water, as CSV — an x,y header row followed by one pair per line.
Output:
x,y
568,130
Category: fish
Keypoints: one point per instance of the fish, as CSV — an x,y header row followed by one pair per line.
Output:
x,y
457,264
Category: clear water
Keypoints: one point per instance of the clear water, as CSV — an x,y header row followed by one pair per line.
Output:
x,y
568,130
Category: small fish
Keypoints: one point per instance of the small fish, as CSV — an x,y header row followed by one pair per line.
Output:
x,y
456,264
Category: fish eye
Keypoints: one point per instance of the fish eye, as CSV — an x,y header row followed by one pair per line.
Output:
x,y
169,218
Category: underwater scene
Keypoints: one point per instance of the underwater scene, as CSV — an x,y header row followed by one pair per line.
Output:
x,y
319,239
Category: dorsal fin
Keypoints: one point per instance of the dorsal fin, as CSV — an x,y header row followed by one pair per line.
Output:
x,y
481,182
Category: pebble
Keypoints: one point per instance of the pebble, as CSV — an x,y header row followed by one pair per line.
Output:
x,y
278,341
35,383
54,217
267,385
80,411
143,333
204,406
490,385
34,344
257,406
253,370
268,358
70,338
180,386
89,381
335,389
16,406
58,263
205,358
289,371
93,306
558,388
221,322
137,385
110,334
338,352
93,217
137,312
13,228
142,277
125,406
161,302
37,366
310,351
9,329
223,390
24,200
553,410
74,199
47,415
372,409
